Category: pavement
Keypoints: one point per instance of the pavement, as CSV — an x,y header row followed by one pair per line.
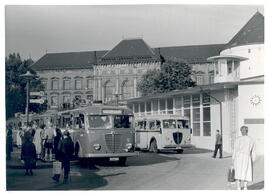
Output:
x,y
195,169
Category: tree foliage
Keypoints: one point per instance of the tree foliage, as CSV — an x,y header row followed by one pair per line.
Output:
x,y
172,75
16,85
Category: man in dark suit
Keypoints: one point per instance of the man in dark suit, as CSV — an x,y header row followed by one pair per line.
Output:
x,y
218,145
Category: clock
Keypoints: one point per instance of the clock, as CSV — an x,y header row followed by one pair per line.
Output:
x,y
255,100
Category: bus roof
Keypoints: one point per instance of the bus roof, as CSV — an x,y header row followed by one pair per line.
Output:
x,y
100,110
162,117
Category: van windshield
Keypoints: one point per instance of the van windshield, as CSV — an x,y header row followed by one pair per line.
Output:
x,y
100,122
169,124
182,124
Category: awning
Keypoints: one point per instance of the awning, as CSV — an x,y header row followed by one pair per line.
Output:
x,y
214,58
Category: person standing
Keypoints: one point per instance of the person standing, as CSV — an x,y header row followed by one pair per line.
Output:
x,y
242,158
56,142
218,145
42,141
66,148
28,154
37,139
9,142
49,142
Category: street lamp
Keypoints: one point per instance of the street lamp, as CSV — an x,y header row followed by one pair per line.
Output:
x,y
28,76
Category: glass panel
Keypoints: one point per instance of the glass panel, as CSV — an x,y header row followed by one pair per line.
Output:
x,y
66,84
169,124
100,122
54,100
136,108
78,84
206,100
187,113
123,121
196,100
55,84
229,66
178,102
162,104
186,100
206,129
141,125
170,104
181,124
142,107
206,114
148,106
155,105
90,84
196,129
196,114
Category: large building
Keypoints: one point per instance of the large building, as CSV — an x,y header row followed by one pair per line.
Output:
x,y
235,98
229,76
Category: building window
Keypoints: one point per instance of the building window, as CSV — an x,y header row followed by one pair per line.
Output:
x,y
155,106
199,80
90,83
206,115
212,79
136,108
66,84
78,84
108,91
55,84
162,106
186,102
196,114
216,67
170,106
44,82
229,66
127,89
142,107
54,100
148,107
178,105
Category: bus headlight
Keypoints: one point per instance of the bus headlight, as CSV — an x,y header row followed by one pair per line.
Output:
x,y
97,146
129,146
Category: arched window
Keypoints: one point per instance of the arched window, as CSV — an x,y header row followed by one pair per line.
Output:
x,y
109,89
126,89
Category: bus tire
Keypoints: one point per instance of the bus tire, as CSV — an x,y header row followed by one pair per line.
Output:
x,y
153,146
122,161
180,151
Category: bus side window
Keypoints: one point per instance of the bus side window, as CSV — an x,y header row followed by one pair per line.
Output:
x,y
79,121
152,125
158,124
180,124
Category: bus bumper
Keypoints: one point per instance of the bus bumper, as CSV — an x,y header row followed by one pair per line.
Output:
x,y
128,154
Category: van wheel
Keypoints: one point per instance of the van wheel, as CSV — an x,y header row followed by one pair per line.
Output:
x,y
153,146
122,161
180,151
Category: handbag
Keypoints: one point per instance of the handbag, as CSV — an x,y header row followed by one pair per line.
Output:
x,y
231,175
57,167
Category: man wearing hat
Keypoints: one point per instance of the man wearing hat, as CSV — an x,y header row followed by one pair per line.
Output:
x,y
66,150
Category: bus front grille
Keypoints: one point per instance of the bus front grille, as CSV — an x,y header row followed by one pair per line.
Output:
x,y
177,137
113,142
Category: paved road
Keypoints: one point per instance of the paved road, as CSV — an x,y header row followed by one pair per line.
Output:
x,y
192,170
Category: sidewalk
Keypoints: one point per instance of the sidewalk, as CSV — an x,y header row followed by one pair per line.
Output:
x,y
15,162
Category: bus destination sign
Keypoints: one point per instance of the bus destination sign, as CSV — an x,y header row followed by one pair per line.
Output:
x,y
108,111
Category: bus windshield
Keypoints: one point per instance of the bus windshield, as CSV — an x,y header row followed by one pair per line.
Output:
x,y
169,124
182,124
123,121
100,122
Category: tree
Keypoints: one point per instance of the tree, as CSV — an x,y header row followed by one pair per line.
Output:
x,y
172,75
16,85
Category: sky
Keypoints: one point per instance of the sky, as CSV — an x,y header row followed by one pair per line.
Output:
x,y
32,31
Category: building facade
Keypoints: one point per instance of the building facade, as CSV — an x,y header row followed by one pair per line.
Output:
x,y
236,97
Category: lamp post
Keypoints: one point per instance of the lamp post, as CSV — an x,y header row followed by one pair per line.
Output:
x,y
28,76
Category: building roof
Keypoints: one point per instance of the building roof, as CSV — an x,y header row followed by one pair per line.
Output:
x,y
129,50
69,60
252,32
192,54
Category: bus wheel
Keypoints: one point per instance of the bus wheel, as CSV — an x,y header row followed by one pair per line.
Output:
x,y
180,151
122,161
153,146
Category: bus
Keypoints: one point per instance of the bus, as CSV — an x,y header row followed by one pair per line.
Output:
x,y
100,131
162,133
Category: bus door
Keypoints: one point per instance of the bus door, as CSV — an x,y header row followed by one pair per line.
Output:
x,y
141,134
154,131
170,134
78,131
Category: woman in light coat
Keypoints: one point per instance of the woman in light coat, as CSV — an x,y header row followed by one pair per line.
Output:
x,y
243,156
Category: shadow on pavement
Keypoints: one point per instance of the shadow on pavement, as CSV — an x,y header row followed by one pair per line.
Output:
x,y
190,151
256,186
